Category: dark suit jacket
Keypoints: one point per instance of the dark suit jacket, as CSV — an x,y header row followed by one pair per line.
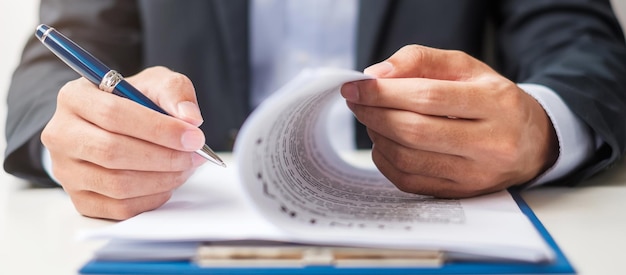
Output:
x,y
575,47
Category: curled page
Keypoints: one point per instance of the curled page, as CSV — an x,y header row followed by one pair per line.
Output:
x,y
297,181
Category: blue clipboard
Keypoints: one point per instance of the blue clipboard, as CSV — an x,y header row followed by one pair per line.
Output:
x,y
559,266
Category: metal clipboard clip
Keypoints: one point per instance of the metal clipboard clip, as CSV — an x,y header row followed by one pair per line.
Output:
x,y
216,255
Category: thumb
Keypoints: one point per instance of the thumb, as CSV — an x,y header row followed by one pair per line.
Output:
x,y
415,61
172,91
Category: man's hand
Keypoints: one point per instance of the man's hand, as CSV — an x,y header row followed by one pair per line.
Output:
x,y
445,124
116,158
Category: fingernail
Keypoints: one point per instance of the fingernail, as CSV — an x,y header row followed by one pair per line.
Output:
x,y
192,140
189,112
379,69
350,92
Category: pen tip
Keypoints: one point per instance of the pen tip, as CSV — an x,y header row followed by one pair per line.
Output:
x,y
211,156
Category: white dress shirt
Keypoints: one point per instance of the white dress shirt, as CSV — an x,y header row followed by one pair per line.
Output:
x,y
288,36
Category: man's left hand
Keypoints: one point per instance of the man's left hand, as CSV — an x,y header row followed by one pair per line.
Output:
x,y
447,125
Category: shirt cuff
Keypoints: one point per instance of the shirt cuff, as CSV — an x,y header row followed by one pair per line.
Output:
x,y
46,160
576,139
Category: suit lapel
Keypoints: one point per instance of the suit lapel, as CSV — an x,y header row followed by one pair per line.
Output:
x,y
372,14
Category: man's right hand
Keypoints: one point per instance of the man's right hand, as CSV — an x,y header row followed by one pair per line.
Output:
x,y
117,158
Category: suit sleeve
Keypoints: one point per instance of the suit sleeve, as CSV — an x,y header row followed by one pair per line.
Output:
x,y
109,29
576,48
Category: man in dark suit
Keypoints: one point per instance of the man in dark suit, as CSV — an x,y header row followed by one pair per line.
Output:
x,y
442,122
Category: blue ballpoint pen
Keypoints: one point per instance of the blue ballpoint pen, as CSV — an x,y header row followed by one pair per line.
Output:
x,y
99,74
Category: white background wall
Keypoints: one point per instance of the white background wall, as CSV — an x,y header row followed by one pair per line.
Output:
x,y
18,19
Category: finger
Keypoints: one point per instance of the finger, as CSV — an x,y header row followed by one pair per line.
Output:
x,y
433,186
114,151
417,184
403,166
421,132
84,141
122,116
425,96
421,162
116,184
172,91
417,61
94,205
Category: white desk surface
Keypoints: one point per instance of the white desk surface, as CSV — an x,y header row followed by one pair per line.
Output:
x,y
38,226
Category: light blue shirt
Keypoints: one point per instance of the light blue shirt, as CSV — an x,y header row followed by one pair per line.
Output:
x,y
288,36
